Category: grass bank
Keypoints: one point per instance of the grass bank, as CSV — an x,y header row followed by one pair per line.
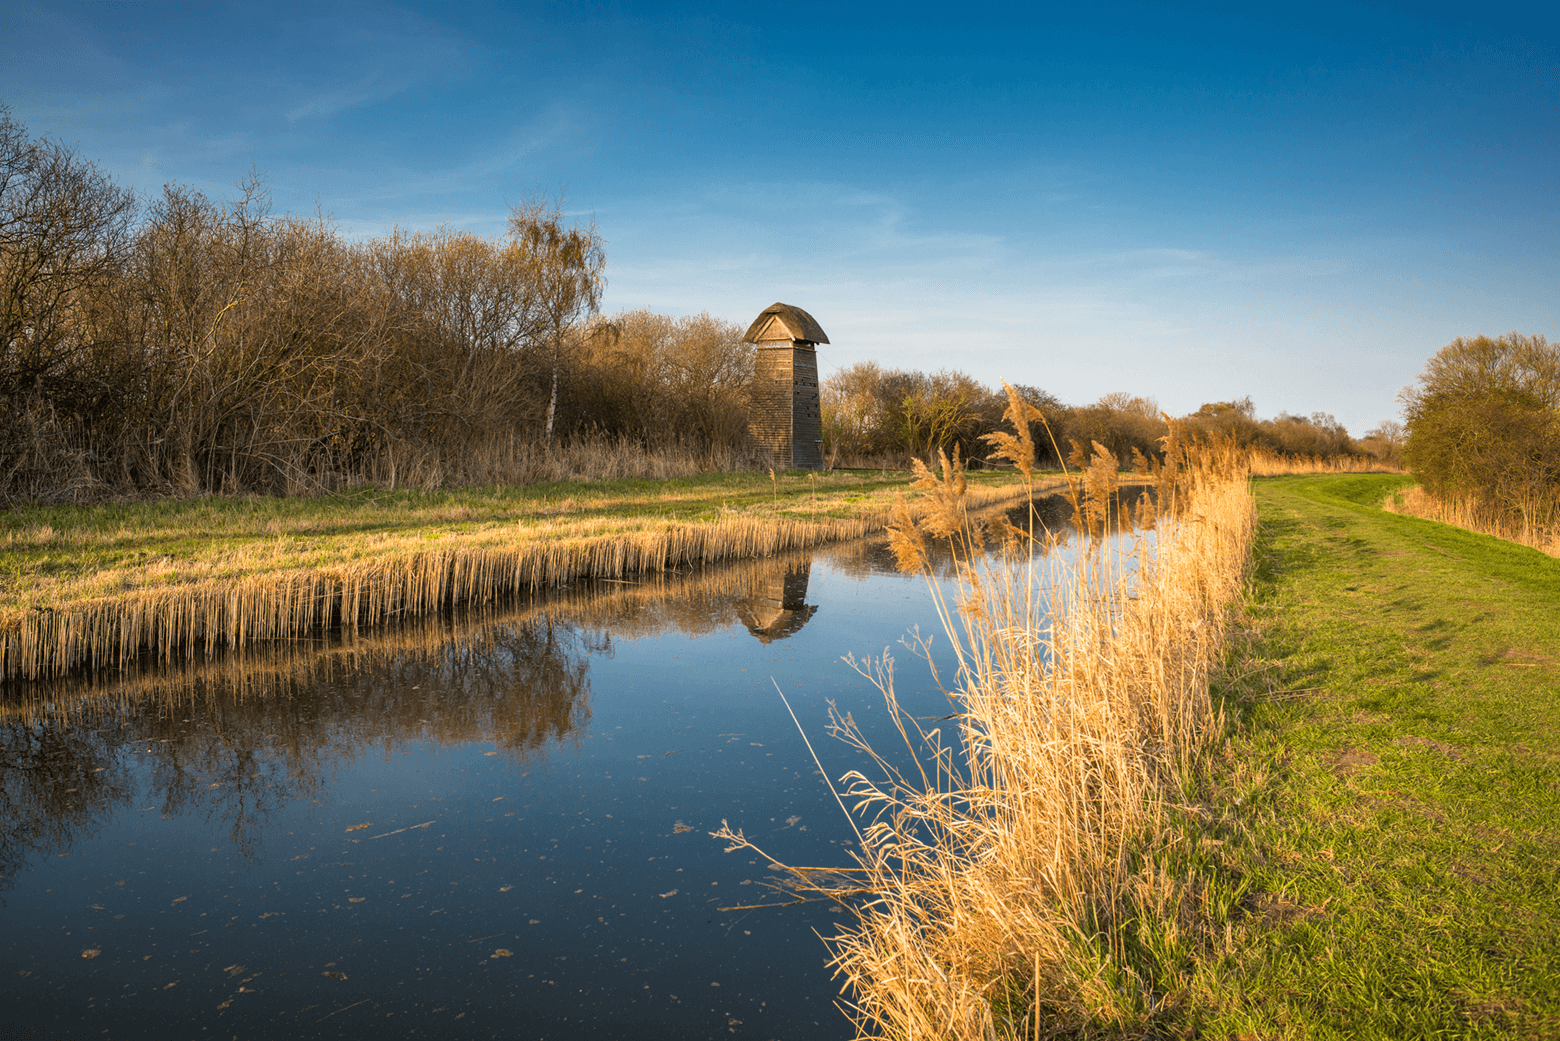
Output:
x,y
99,585
1521,528
1349,829
1397,779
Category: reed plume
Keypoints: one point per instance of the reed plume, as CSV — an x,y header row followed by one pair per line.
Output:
x,y
1026,875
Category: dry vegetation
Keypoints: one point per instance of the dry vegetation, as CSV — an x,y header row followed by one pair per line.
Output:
x,y
225,577
186,346
874,416
590,614
1513,526
1039,874
1269,464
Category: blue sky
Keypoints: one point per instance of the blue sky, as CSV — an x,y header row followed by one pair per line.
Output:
x,y
1297,203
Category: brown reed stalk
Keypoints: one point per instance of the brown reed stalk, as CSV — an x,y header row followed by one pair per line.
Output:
x,y
1021,879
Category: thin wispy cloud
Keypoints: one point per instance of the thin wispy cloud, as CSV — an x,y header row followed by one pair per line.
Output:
x,y
372,88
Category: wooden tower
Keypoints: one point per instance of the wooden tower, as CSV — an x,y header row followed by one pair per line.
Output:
x,y
785,422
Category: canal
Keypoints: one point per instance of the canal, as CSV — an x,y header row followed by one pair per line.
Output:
x,y
490,824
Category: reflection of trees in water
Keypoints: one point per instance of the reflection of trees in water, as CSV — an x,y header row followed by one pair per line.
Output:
x,y
236,736
55,781
236,739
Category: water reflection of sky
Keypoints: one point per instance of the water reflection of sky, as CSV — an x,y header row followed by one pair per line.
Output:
x,y
497,826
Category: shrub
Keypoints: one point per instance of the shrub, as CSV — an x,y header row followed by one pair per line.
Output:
x,y
1484,425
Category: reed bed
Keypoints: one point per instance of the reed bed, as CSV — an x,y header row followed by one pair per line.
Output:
x,y
173,622
1036,876
695,602
366,581
1522,529
1269,464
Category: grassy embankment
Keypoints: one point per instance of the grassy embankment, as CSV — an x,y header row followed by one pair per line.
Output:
x,y
98,584
1416,502
1398,771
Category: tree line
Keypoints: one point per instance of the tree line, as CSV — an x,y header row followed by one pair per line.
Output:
x,y
1484,427
188,345
879,416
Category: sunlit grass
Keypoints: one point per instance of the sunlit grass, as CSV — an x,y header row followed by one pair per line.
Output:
x,y
97,585
1398,773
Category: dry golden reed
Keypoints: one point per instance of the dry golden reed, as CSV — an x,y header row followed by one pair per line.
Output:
x,y
695,602
1416,502
176,619
1268,464
1019,880
172,622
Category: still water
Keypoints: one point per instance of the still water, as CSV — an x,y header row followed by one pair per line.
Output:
x,y
491,825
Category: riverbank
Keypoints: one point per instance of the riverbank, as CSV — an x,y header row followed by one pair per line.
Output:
x,y
99,585
1397,772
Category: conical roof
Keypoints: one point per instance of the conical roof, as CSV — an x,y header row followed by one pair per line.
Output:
x,y
777,320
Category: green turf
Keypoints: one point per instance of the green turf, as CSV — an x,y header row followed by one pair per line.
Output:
x,y
1399,735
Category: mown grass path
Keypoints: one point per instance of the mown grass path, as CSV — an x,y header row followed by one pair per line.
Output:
x,y
1399,767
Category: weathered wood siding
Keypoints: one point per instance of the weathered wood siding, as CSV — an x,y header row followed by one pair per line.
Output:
x,y
785,421
806,411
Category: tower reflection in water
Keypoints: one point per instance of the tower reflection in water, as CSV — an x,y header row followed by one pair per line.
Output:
x,y
776,605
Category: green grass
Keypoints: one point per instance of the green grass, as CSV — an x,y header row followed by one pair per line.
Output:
x,y
1398,771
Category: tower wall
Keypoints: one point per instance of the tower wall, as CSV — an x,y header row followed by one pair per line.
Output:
x,y
769,414
806,411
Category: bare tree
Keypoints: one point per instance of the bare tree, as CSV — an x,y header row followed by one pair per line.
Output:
x,y
64,226
661,379
567,264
